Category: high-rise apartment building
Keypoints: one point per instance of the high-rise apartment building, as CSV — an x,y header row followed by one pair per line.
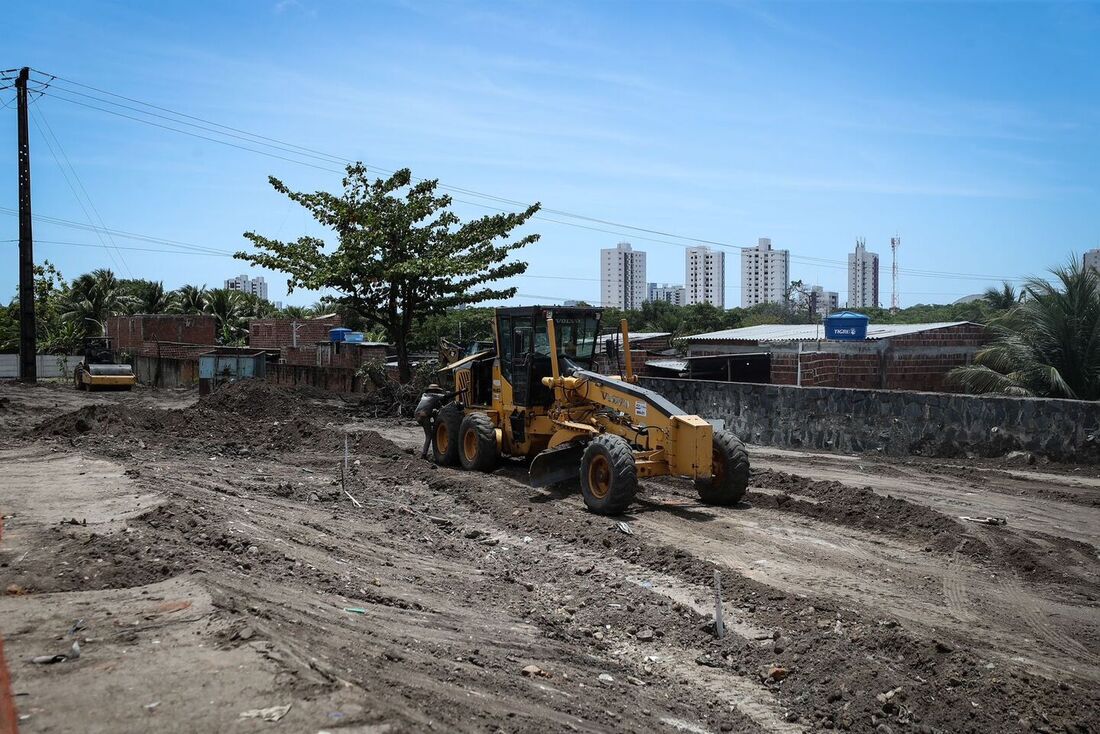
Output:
x,y
821,302
862,277
704,277
673,294
765,274
254,286
1092,260
622,277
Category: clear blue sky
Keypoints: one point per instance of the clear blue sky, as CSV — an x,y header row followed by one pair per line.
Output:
x,y
971,130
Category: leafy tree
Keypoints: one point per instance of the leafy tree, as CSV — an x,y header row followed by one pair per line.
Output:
x,y
1047,346
457,325
9,328
402,255
659,316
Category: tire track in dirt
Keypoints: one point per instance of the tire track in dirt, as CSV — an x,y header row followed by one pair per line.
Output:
x,y
954,589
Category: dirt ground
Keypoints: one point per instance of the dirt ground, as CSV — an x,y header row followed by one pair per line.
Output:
x,y
212,572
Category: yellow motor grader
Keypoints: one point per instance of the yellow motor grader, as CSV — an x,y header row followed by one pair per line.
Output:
x,y
537,395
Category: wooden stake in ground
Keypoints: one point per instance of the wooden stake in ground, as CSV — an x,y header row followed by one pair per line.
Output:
x,y
719,623
344,475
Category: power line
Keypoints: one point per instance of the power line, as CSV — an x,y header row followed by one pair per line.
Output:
x,y
328,158
120,233
37,114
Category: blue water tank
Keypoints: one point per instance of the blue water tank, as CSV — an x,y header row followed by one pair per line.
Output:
x,y
846,326
338,334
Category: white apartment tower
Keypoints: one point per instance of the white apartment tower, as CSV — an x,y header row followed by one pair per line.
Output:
x,y
862,277
820,301
704,277
622,277
255,286
673,294
765,274
1092,260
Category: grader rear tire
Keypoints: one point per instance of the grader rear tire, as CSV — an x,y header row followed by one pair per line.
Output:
x,y
609,478
729,472
445,437
477,450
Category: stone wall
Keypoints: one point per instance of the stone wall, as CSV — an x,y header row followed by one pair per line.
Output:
x,y
893,421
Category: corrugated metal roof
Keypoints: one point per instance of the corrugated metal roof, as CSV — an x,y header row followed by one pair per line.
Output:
x,y
635,335
669,364
811,332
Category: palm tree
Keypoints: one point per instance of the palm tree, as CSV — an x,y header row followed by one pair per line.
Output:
x,y
1002,299
228,309
296,312
189,299
152,298
92,298
1048,346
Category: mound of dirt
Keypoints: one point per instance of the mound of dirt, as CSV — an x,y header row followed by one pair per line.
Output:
x,y
859,507
101,419
255,398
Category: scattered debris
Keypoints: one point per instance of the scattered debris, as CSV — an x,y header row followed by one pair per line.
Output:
x,y
73,654
624,528
606,679
534,671
985,520
272,713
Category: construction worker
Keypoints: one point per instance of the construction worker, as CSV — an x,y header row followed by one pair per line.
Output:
x,y
427,409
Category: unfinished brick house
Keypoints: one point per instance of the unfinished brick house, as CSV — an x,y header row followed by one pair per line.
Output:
x,y
277,333
129,333
892,357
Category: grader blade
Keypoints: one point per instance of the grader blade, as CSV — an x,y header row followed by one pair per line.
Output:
x,y
556,465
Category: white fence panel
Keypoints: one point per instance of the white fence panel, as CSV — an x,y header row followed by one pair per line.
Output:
x,y
49,365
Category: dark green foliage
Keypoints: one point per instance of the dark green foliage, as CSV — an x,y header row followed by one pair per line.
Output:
x,y
1048,345
461,326
402,255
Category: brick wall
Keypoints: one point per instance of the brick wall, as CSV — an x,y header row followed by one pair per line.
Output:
x,y
276,333
129,332
964,335
335,379
346,355
172,350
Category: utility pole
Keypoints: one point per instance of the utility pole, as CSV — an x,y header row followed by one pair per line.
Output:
x,y
28,348
895,243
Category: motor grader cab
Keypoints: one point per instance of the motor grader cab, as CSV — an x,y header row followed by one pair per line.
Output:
x,y
100,369
536,395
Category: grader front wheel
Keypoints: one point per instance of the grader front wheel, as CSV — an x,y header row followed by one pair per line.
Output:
x,y
478,451
729,472
609,478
